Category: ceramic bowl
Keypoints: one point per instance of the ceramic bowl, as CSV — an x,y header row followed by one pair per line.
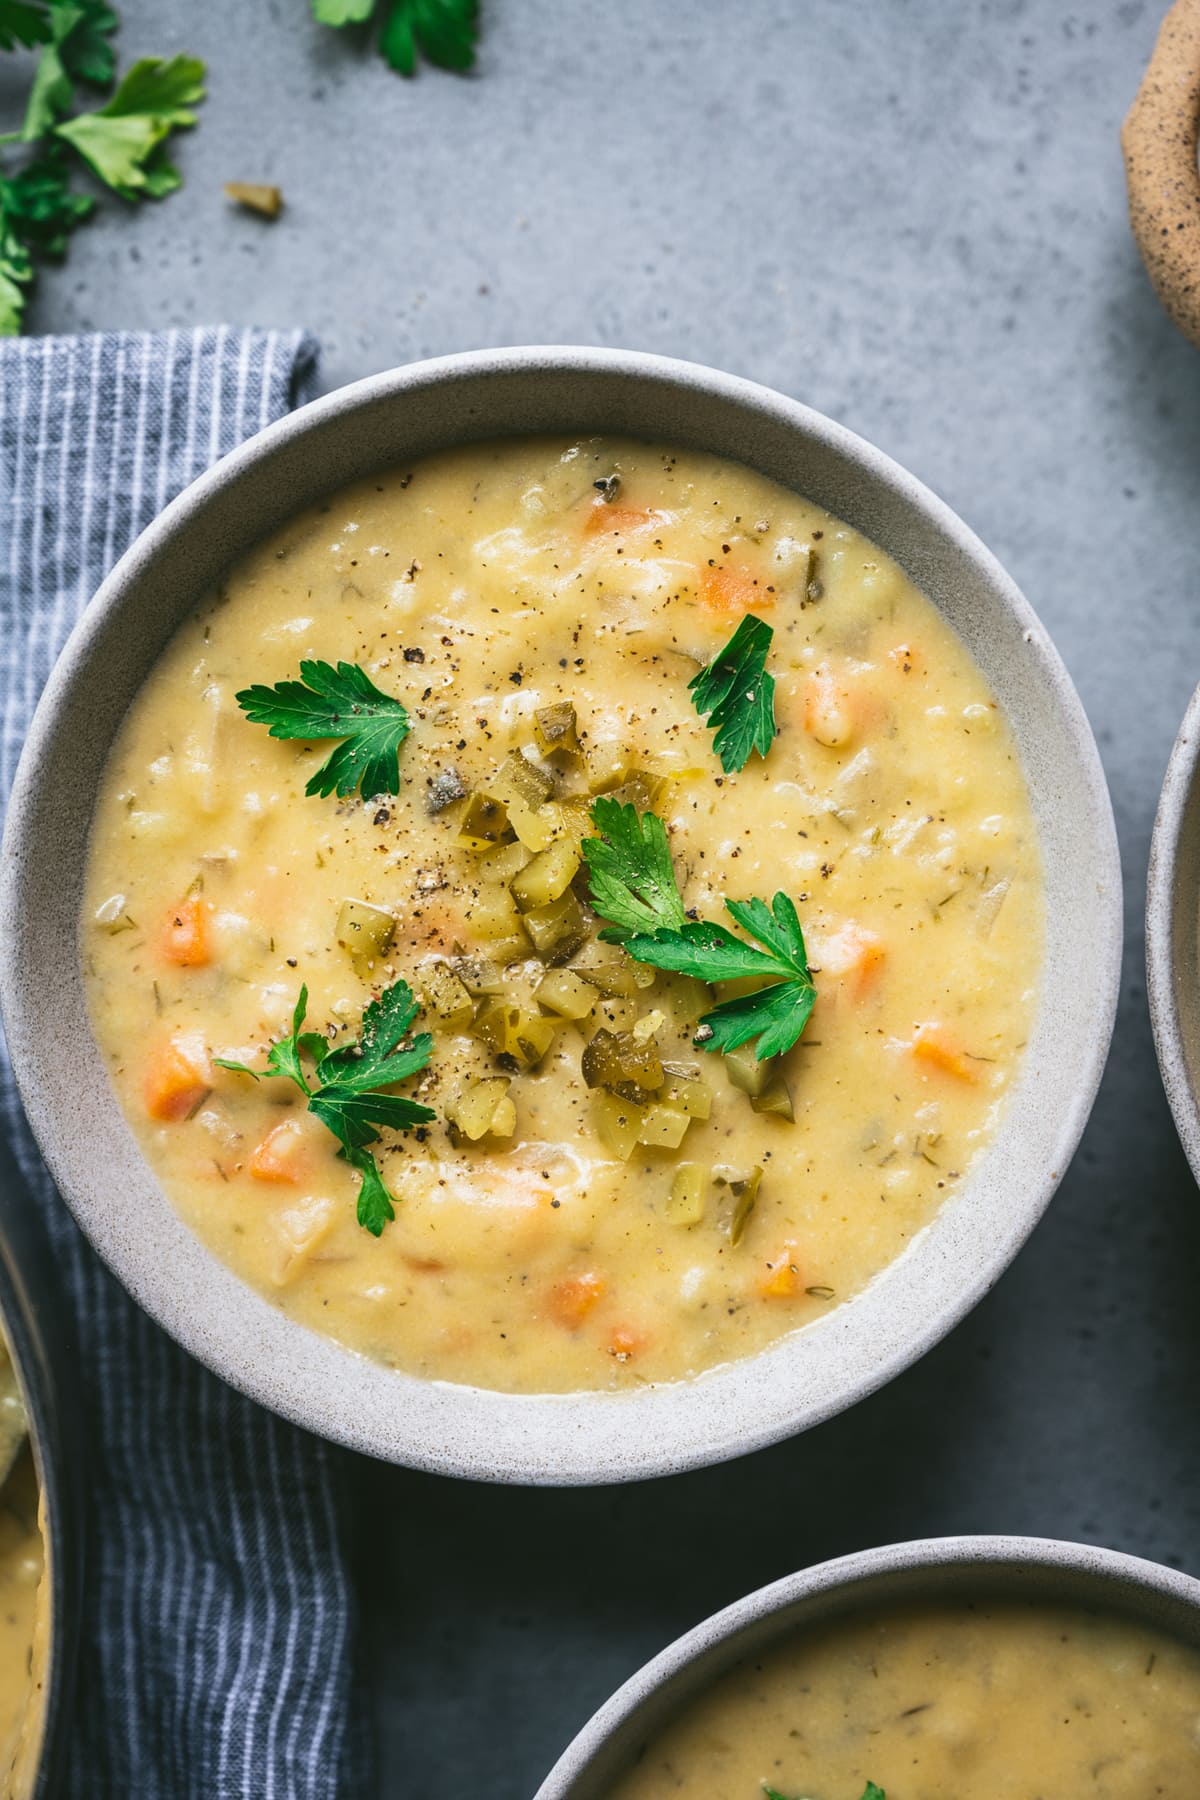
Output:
x,y
37,1325
932,1569
580,1437
1173,933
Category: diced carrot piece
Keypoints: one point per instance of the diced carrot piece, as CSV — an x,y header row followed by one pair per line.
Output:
x,y
828,711
178,1078
625,1341
853,955
782,1280
619,521
185,937
282,1155
725,590
571,1301
425,1265
835,705
931,1045
433,926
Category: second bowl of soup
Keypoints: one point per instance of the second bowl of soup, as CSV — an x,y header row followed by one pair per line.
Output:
x,y
951,1669
584,928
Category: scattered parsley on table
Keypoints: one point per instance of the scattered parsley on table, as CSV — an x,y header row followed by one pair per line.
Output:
x,y
443,31
121,143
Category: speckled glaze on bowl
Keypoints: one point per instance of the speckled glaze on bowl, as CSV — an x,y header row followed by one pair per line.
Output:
x,y
92,1153
1173,933
931,1569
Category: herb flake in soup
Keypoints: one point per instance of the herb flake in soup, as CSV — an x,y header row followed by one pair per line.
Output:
x,y
640,946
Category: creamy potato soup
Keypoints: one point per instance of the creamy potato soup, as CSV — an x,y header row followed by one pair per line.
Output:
x,y
24,1600
987,1702
606,1191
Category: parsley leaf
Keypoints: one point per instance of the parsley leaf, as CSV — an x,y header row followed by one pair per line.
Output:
x,y
775,1014
82,28
342,12
22,25
336,703
633,884
737,696
444,31
375,1061
16,273
346,1098
37,212
630,874
374,1202
77,50
122,141
870,1792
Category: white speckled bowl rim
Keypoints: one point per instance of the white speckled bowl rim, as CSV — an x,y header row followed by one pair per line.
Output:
x,y
1173,933
575,1438
929,1569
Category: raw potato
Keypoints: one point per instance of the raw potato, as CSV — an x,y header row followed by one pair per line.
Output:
x,y
1159,139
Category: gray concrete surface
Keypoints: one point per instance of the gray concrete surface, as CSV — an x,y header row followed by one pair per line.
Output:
x,y
912,216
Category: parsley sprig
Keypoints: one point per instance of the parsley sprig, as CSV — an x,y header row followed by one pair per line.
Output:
x,y
629,865
122,142
341,702
444,31
347,1097
23,24
737,696
775,1014
870,1792
632,883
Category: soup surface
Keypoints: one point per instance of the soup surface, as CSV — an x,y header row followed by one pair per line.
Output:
x,y
24,1600
989,1702
570,1218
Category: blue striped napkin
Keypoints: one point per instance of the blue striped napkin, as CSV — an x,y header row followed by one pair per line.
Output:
x,y
217,1656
